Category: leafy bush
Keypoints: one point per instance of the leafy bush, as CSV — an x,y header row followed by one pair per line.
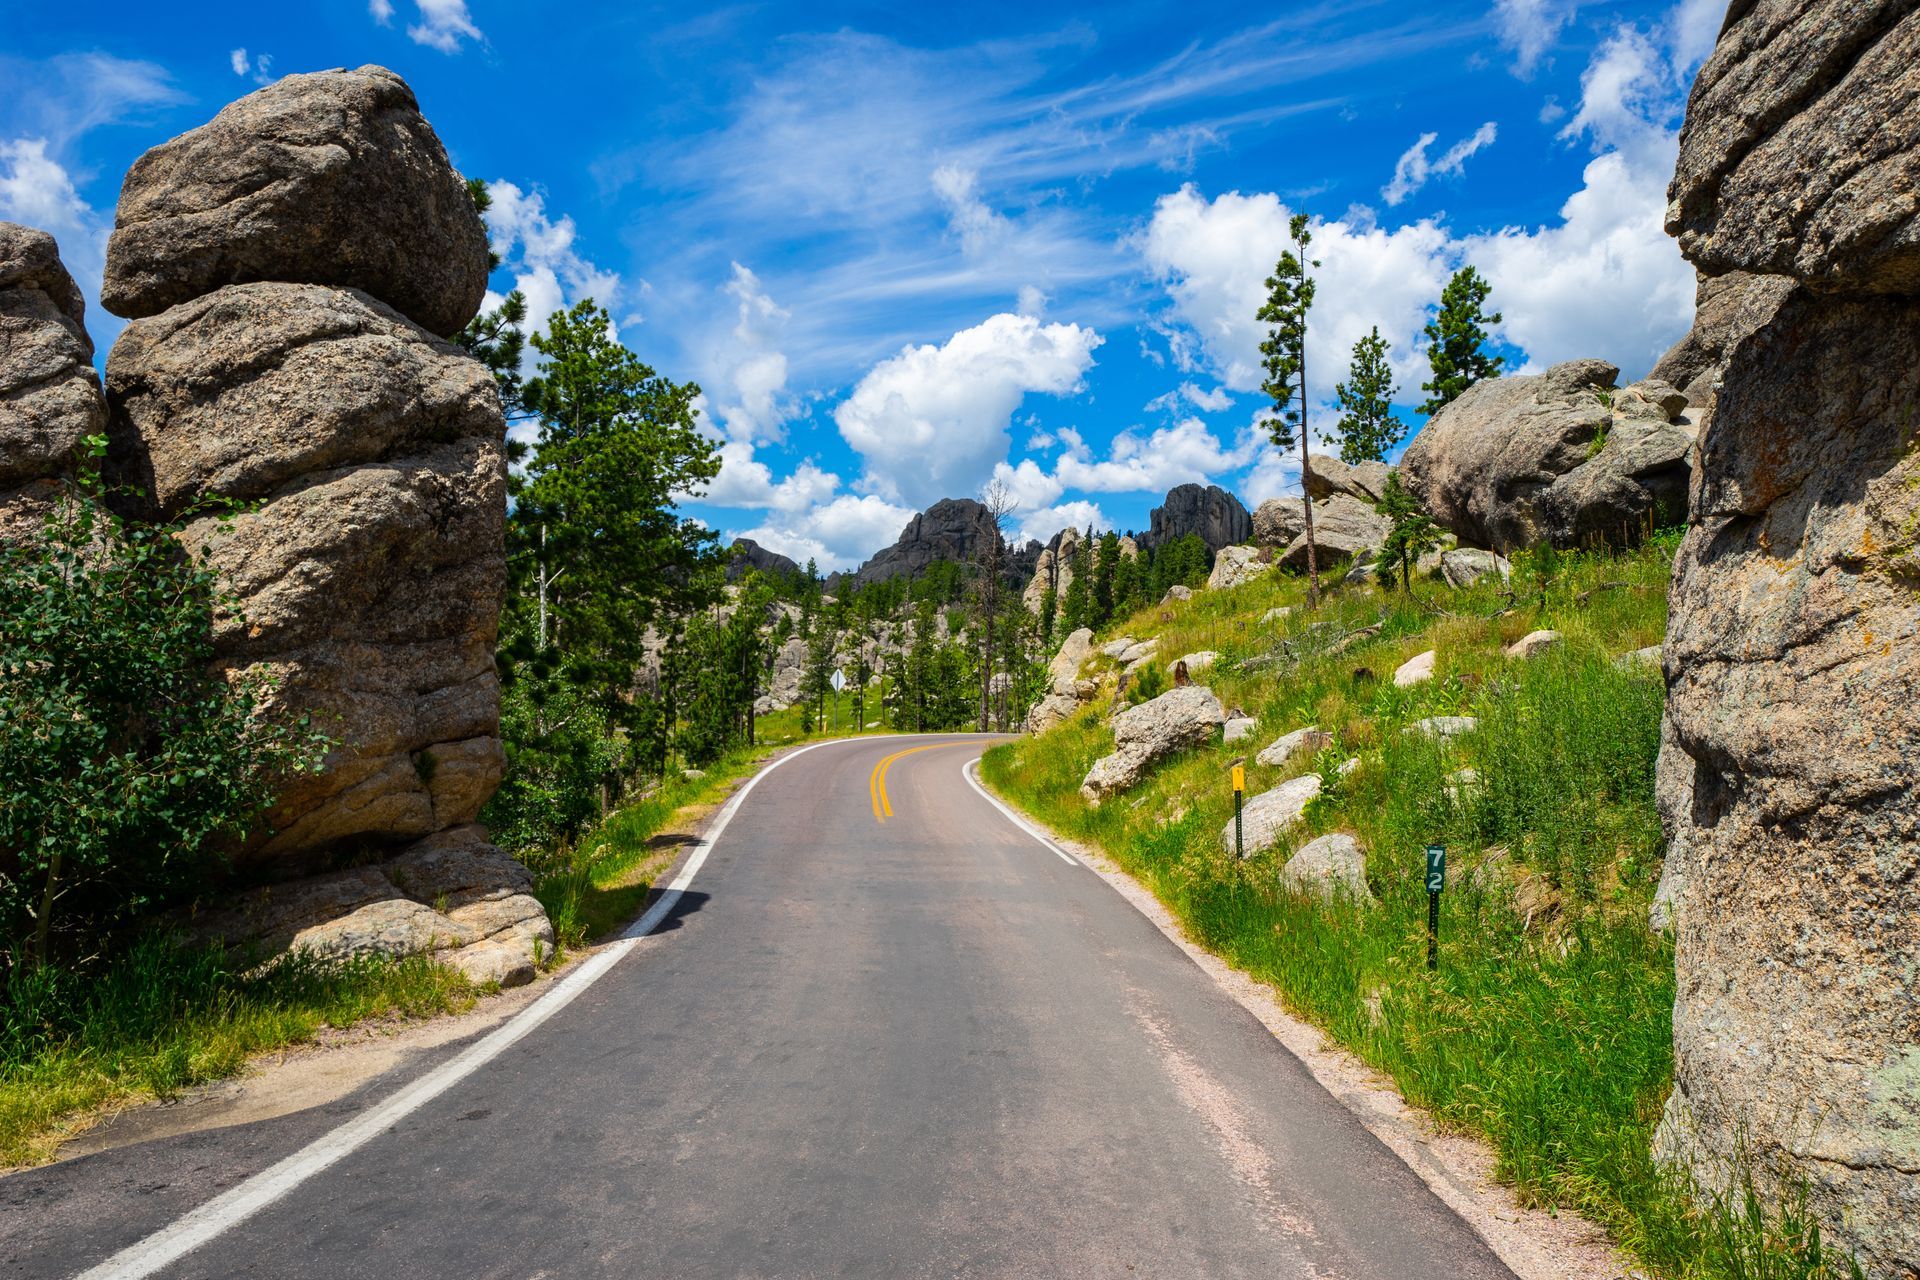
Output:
x,y
124,757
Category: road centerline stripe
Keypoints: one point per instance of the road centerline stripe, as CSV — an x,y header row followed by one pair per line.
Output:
x,y
227,1210
877,781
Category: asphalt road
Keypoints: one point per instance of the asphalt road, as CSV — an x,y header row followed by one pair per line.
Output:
x,y
912,1045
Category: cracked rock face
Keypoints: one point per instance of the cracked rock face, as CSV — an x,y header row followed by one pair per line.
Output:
x,y
330,178
1794,866
1800,155
50,397
370,574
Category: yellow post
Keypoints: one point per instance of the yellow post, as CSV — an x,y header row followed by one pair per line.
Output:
x,y
1239,789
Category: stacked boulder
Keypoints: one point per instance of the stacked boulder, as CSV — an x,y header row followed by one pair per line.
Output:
x,y
50,397
1567,457
1793,646
1066,691
287,268
1346,528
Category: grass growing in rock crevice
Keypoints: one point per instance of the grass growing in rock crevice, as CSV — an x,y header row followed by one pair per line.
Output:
x,y
1546,1028
165,1016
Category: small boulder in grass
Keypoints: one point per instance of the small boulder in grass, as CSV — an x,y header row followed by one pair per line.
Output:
x,y
1241,727
1332,868
1415,670
1533,643
1445,728
1270,815
1299,742
1198,662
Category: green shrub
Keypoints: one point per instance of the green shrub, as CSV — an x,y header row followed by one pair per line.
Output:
x,y
124,757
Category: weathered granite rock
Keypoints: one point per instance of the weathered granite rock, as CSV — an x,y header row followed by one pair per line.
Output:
x,y
1415,670
1467,565
370,573
1136,651
1343,527
1268,817
50,397
1209,511
1793,656
1649,658
951,529
1800,155
1238,728
1276,614
1726,309
1075,652
1445,728
1066,691
1532,643
452,895
331,178
1237,566
1053,569
245,390
1143,735
1278,521
1363,481
1332,867
1178,591
750,555
1200,661
1114,648
1289,745
1564,457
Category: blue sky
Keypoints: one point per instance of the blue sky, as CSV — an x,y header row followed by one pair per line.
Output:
x,y
906,250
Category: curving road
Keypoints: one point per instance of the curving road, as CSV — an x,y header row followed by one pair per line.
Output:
x,y
884,1032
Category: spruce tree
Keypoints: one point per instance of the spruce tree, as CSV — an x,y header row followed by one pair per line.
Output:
x,y
1457,340
1106,562
1410,534
1368,429
1283,354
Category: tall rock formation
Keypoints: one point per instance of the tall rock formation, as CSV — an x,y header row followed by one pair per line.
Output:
x,y
955,529
1793,646
1210,511
369,565
49,394
1726,310
748,554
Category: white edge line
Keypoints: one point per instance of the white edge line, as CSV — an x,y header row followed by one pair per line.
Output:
x,y
231,1207
969,770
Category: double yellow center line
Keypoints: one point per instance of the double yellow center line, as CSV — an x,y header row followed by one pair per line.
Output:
x,y
877,784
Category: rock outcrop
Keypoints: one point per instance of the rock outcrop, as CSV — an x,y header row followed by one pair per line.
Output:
x,y
1237,566
330,178
1726,310
1343,528
951,529
1266,819
750,555
1363,481
286,266
1564,457
1793,645
1332,868
1146,734
50,397
1209,511
1278,521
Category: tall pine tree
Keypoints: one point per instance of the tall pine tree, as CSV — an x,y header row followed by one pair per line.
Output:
x,y
1368,429
1457,340
1283,354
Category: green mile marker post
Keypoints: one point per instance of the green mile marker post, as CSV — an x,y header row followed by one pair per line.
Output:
x,y
1436,881
1239,792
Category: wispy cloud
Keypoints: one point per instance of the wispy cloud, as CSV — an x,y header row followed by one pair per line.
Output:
x,y
1413,169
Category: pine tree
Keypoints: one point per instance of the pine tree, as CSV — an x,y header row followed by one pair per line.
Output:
x,y
1368,429
1106,562
1457,340
1410,535
1078,607
1283,355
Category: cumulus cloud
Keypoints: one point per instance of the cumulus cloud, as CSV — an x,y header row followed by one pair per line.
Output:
x,y
933,420
1529,28
382,11
443,24
1413,169
1041,525
37,191
747,369
744,481
541,254
1185,453
837,535
1213,401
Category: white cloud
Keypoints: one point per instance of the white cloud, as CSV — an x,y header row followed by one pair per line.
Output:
x,y
837,535
978,227
1214,401
746,368
932,421
744,481
1413,169
1041,525
382,11
258,69
1032,302
37,191
443,23
1185,453
1626,97
1693,29
1531,27
541,254
1030,487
